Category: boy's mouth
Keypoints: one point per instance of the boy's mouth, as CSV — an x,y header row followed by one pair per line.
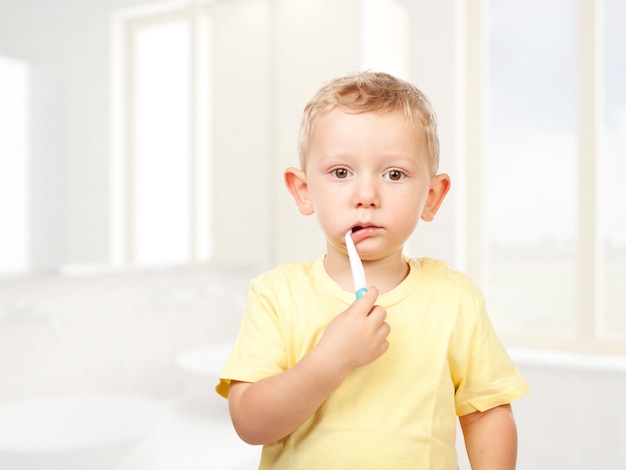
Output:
x,y
360,232
358,228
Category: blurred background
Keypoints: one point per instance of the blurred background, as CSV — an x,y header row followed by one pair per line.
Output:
x,y
142,145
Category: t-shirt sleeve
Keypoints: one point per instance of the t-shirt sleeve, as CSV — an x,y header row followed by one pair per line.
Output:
x,y
483,373
259,350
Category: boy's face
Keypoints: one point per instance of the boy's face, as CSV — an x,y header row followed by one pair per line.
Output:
x,y
369,173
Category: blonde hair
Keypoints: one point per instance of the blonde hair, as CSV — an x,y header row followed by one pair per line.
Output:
x,y
377,92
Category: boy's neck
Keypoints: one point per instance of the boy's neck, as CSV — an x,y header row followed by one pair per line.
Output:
x,y
384,274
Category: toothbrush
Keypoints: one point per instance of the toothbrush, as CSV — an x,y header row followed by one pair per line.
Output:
x,y
358,274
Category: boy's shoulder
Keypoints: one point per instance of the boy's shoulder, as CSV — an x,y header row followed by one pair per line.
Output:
x,y
287,272
441,273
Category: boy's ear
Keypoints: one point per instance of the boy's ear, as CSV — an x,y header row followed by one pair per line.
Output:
x,y
295,180
439,186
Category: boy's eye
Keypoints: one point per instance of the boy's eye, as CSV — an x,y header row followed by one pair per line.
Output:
x,y
395,175
340,173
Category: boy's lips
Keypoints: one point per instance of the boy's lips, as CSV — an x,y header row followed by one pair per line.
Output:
x,y
360,232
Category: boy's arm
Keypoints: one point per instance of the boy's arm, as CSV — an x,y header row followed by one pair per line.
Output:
x,y
272,408
491,438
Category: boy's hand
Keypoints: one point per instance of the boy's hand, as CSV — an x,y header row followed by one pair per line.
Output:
x,y
358,335
272,408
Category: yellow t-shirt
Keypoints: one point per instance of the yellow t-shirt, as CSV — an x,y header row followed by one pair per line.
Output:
x,y
398,412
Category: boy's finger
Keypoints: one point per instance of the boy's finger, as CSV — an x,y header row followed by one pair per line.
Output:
x,y
367,300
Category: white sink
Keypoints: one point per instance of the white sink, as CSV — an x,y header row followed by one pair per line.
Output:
x,y
74,431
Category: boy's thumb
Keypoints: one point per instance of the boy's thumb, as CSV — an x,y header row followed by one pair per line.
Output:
x,y
369,297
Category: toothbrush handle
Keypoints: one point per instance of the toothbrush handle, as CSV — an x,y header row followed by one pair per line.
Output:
x,y
360,292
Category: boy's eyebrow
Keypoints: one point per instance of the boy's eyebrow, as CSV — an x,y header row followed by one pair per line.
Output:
x,y
335,155
390,159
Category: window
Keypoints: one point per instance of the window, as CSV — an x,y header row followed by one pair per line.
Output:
x,y
552,200
162,174
531,169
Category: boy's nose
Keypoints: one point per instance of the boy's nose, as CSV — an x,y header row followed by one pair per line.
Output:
x,y
366,193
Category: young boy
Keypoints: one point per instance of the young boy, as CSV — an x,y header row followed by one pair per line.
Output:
x,y
327,382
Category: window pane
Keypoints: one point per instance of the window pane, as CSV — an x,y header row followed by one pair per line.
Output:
x,y
531,164
615,167
162,172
